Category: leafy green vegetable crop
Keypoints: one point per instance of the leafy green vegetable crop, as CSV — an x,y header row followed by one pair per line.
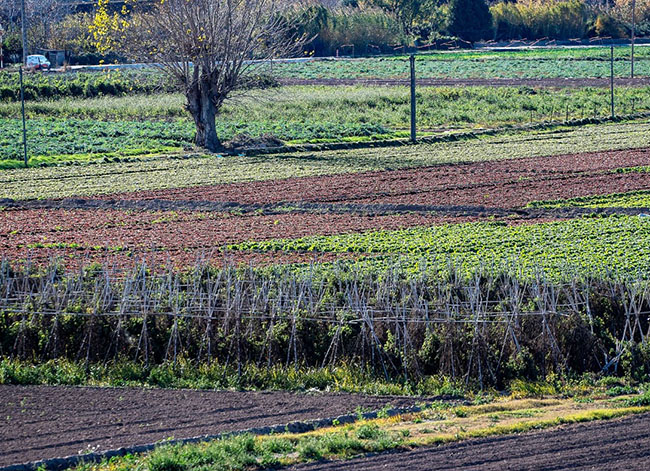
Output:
x,y
636,199
325,112
83,84
73,139
596,246
558,63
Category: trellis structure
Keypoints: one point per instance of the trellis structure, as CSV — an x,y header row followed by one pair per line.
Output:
x,y
397,324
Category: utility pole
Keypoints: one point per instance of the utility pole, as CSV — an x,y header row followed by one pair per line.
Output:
x,y
633,38
2,62
22,86
22,104
24,30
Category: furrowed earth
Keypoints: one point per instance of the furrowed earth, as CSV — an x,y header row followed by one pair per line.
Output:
x,y
183,225
40,422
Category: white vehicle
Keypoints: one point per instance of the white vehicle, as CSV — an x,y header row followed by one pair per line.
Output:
x,y
37,62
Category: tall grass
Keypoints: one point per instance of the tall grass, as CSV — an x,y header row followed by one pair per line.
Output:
x,y
537,19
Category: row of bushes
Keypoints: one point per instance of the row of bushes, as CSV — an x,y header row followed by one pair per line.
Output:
x,y
367,28
96,84
370,26
561,19
82,85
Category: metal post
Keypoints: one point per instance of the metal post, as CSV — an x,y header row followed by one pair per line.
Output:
x,y
413,109
633,38
24,28
22,101
2,63
611,79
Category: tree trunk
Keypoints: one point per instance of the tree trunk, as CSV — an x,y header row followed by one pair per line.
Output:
x,y
204,113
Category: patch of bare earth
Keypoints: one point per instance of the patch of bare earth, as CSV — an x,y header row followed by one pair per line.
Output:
x,y
457,184
40,422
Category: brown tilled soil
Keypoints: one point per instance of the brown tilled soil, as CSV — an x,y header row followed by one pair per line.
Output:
x,y
610,445
476,82
528,179
185,224
40,422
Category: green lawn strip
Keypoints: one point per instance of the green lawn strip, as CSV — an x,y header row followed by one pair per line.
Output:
x,y
593,246
365,436
176,173
634,199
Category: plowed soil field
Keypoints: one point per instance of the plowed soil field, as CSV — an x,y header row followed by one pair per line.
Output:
x,y
40,422
183,225
531,179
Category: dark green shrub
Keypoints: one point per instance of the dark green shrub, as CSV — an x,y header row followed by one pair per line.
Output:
x,y
470,20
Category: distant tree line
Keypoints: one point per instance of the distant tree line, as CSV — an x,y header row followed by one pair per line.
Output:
x,y
357,27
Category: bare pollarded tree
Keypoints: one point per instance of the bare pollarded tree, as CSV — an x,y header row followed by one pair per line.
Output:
x,y
210,47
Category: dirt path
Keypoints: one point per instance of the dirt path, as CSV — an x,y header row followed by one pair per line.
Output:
x,y
610,445
40,422
476,82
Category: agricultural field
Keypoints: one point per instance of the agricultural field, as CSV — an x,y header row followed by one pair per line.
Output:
x,y
75,129
425,280
633,199
577,63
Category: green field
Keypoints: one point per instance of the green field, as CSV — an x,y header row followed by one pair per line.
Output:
x,y
561,250
551,63
87,129
354,106
636,199
354,304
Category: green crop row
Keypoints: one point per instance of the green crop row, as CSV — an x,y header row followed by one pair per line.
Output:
x,y
636,199
49,86
323,112
594,246
384,68
74,139
594,52
161,173
83,139
82,84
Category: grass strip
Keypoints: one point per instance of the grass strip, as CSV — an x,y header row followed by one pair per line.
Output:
x,y
369,436
327,114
